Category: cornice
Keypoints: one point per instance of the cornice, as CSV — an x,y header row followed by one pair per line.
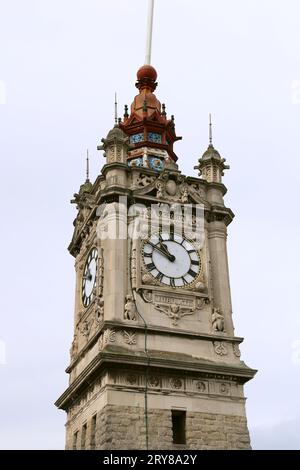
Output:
x,y
118,359
115,165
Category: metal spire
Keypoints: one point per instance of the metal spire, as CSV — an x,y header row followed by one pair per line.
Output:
x,y
87,166
149,32
210,131
116,109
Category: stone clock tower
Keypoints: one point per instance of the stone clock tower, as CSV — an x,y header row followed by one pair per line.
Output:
x,y
155,362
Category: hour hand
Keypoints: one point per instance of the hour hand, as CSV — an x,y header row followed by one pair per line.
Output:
x,y
165,248
88,276
163,251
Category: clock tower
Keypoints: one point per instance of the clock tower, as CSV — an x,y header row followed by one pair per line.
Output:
x,y
154,363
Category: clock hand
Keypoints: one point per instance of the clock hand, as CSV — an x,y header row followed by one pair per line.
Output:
x,y
88,276
164,247
163,251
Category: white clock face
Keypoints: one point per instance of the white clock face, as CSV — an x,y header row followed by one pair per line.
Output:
x,y
171,259
89,277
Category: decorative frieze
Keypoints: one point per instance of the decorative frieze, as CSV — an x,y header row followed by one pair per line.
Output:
x,y
220,348
129,337
201,387
131,379
164,383
171,384
109,336
176,383
153,382
224,389
174,312
236,350
144,180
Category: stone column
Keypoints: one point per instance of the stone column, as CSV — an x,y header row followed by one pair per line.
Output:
x,y
217,236
114,224
115,251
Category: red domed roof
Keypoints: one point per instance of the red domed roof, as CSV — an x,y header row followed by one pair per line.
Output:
x,y
148,118
147,71
146,76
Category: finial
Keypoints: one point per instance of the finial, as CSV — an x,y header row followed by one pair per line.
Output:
x,y
119,121
87,166
173,117
126,115
163,109
149,32
116,109
210,131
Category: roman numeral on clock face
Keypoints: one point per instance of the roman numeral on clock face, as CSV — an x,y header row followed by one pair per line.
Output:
x,y
192,273
159,277
151,266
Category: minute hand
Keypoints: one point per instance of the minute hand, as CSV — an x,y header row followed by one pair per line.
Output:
x,y
162,251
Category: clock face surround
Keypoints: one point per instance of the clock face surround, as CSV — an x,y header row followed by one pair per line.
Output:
x,y
171,259
89,277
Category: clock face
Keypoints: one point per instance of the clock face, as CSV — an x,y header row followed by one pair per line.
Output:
x,y
89,277
171,259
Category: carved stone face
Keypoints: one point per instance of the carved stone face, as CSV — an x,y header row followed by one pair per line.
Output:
x,y
171,188
175,308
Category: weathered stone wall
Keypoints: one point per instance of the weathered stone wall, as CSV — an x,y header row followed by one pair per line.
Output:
x,y
213,431
123,427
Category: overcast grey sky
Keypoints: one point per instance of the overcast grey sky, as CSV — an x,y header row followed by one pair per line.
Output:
x,y
60,64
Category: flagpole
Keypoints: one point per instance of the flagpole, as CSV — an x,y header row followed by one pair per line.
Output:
x,y
149,32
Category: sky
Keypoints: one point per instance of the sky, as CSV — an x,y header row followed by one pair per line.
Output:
x,y
61,62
